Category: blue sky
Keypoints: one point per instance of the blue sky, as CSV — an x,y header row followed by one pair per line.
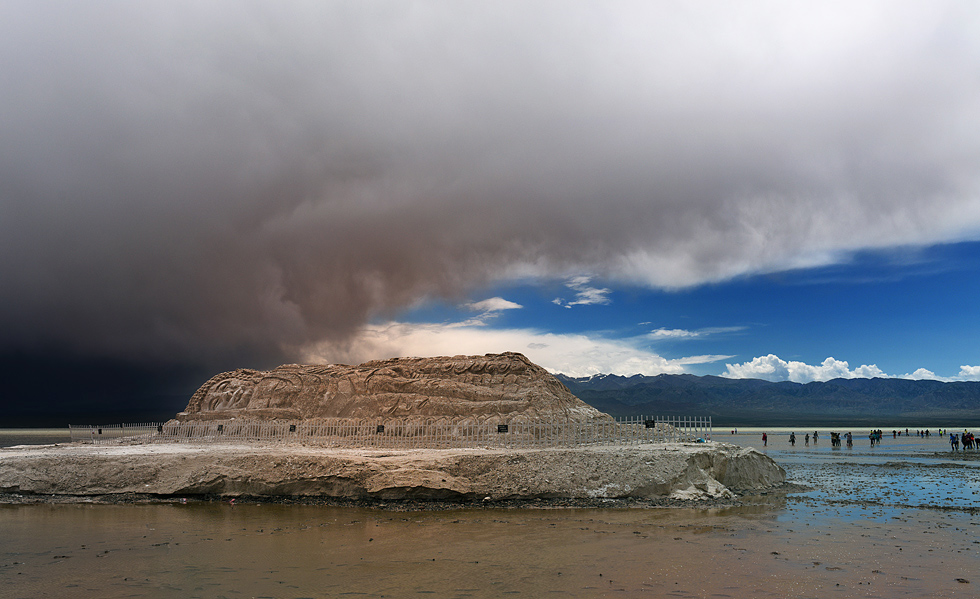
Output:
x,y
906,312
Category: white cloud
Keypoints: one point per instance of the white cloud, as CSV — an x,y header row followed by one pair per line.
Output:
x,y
773,368
488,308
572,354
922,374
585,294
663,333
969,373
867,372
705,359
673,334
493,304
719,330
580,354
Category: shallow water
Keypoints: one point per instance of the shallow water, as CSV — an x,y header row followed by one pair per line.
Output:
x,y
33,436
905,471
895,521
220,550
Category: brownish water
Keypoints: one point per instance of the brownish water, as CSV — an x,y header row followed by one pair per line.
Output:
x,y
898,520
220,550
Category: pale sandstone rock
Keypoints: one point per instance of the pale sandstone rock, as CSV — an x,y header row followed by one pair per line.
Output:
x,y
504,387
679,471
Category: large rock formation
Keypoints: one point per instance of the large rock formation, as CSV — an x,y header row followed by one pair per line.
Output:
x,y
504,387
494,386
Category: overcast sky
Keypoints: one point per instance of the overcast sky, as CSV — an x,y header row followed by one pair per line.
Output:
x,y
248,183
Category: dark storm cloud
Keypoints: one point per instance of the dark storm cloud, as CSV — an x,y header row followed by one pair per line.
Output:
x,y
190,180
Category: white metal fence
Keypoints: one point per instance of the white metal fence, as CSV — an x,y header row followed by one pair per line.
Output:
x,y
408,434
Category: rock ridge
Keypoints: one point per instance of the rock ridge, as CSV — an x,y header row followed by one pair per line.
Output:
x,y
504,386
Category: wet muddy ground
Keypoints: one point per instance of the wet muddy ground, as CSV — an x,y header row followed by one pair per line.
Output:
x,y
896,521
904,471
221,550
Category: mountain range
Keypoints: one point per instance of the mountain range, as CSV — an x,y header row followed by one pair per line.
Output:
x,y
744,402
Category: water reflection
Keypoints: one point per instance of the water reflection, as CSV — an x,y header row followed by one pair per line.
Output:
x,y
219,550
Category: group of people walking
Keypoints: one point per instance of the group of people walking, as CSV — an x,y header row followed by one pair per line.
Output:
x,y
966,438
918,433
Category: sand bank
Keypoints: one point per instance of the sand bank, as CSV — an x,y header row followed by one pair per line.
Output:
x,y
676,471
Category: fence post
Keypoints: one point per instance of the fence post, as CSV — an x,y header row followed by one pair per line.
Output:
x,y
412,434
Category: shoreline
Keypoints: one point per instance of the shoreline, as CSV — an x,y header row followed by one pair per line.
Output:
x,y
403,505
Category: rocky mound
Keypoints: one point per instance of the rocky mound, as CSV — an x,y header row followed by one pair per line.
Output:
x,y
495,386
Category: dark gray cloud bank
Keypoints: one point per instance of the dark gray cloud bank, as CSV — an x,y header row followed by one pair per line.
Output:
x,y
207,182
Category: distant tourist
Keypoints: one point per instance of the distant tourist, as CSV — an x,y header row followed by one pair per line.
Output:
x,y
850,441
806,440
765,440
814,437
954,442
792,439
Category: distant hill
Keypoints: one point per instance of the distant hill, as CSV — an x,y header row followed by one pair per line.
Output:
x,y
743,402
